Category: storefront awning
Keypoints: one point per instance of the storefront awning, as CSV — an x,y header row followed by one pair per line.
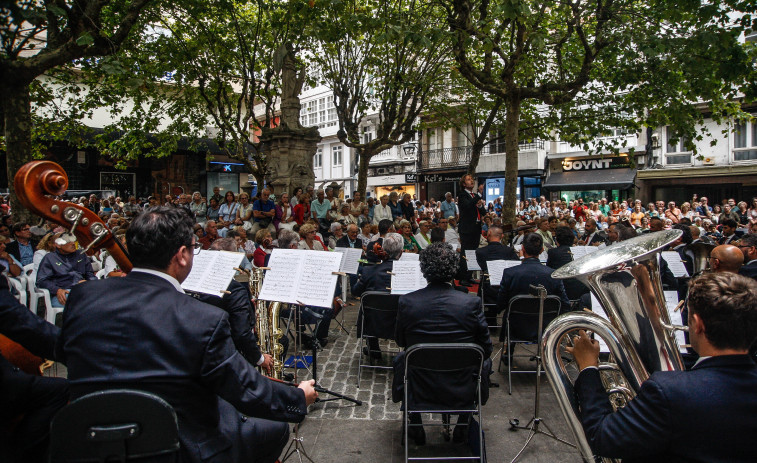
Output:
x,y
610,179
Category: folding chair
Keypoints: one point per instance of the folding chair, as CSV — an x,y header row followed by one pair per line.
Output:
x,y
429,369
117,425
521,327
377,318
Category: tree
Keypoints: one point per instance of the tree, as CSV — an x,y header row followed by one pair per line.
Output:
x,y
36,37
380,57
593,61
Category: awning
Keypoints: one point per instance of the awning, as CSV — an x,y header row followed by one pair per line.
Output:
x,y
609,179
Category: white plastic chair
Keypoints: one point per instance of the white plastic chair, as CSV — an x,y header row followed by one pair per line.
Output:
x,y
19,284
41,293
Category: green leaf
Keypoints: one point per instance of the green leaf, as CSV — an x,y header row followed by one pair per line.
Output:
x,y
85,39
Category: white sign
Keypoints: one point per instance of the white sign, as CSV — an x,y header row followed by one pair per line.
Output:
x,y
212,272
407,277
301,277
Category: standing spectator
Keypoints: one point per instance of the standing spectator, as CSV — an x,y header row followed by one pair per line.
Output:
x,y
716,212
448,207
24,246
579,210
371,203
263,212
394,205
216,195
637,215
198,208
94,204
334,201
382,210
408,210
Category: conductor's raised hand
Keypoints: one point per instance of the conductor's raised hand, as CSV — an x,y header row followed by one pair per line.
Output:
x,y
585,350
310,392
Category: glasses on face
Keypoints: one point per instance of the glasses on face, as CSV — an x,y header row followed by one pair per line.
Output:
x,y
25,229
196,247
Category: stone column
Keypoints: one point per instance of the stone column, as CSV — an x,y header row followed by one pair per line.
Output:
x,y
289,152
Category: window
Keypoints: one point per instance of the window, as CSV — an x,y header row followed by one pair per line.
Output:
x,y
318,158
336,155
676,152
745,141
497,142
434,139
319,112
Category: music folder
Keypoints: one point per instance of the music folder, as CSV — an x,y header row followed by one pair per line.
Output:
x,y
212,272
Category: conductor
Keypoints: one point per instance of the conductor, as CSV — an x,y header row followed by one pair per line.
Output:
x,y
706,414
142,332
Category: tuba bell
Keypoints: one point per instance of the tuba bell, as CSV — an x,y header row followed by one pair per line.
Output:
x,y
701,251
625,278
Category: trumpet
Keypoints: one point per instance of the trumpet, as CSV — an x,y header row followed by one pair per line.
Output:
x,y
625,278
267,324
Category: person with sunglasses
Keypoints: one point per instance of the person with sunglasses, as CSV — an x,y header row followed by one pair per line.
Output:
x,y
24,246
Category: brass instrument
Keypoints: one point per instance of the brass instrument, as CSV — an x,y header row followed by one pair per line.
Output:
x,y
267,324
701,251
625,278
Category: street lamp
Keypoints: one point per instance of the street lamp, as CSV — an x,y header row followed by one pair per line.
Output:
x,y
409,150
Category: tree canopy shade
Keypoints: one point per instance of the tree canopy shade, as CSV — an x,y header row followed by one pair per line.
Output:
x,y
660,60
380,57
36,37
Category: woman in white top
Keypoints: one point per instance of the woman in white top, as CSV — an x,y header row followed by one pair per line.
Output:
x,y
308,241
227,213
382,210
345,215
284,217
244,212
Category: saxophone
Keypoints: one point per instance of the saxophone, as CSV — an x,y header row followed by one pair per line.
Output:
x,y
267,324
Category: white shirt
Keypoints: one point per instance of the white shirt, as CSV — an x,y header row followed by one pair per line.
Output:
x,y
422,241
381,212
162,275
451,237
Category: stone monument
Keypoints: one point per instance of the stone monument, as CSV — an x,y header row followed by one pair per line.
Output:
x,y
289,147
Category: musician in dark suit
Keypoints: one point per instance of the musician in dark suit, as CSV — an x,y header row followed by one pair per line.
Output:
x,y
591,237
561,255
438,313
706,414
494,250
748,247
350,240
730,231
472,213
143,332
518,280
378,278
35,399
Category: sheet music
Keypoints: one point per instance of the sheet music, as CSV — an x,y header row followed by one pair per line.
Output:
x,y
407,277
675,264
597,308
578,251
590,249
543,257
212,271
470,257
301,276
676,318
496,267
409,257
517,247
350,259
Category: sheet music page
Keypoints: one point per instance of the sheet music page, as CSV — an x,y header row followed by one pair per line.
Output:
x,y
596,307
590,249
212,271
675,264
409,257
470,257
676,318
281,281
317,282
496,267
517,247
578,251
407,277
350,259
543,257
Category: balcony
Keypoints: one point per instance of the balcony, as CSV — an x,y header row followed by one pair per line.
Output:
x,y
459,157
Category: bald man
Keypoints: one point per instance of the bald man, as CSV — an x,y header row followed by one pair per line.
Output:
x,y
695,233
726,258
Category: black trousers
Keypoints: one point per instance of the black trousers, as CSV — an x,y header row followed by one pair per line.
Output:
x,y
468,241
253,439
35,400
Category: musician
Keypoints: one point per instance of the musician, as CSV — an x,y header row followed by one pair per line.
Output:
x,y
494,250
517,280
561,255
726,258
438,313
706,414
373,253
730,233
472,211
142,332
63,268
591,237
748,246
378,278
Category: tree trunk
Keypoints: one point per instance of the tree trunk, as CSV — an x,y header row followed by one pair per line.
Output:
x,y
512,122
15,102
362,175
475,155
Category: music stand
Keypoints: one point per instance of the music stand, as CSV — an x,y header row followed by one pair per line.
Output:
x,y
536,420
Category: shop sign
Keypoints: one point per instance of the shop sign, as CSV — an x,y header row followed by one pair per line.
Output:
x,y
432,178
411,178
227,167
617,162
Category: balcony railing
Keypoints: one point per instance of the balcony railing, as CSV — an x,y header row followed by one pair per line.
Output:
x,y
447,158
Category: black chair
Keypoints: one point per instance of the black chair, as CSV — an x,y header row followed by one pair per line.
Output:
x,y
522,327
117,425
443,378
377,319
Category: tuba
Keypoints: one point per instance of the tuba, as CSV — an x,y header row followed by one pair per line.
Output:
x,y
267,324
625,278
701,251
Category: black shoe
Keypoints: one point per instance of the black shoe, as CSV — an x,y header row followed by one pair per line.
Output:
x,y
307,341
417,434
323,342
458,435
373,354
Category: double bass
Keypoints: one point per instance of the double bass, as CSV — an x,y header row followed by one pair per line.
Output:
x,y
36,184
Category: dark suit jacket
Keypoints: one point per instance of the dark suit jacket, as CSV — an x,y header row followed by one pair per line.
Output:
x,y
706,414
374,278
469,212
493,251
438,313
749,270
597,238
12,248
344,242
517,280
139,332
556,258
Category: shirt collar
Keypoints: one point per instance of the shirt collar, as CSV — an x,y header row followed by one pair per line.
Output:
x,y
162,275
